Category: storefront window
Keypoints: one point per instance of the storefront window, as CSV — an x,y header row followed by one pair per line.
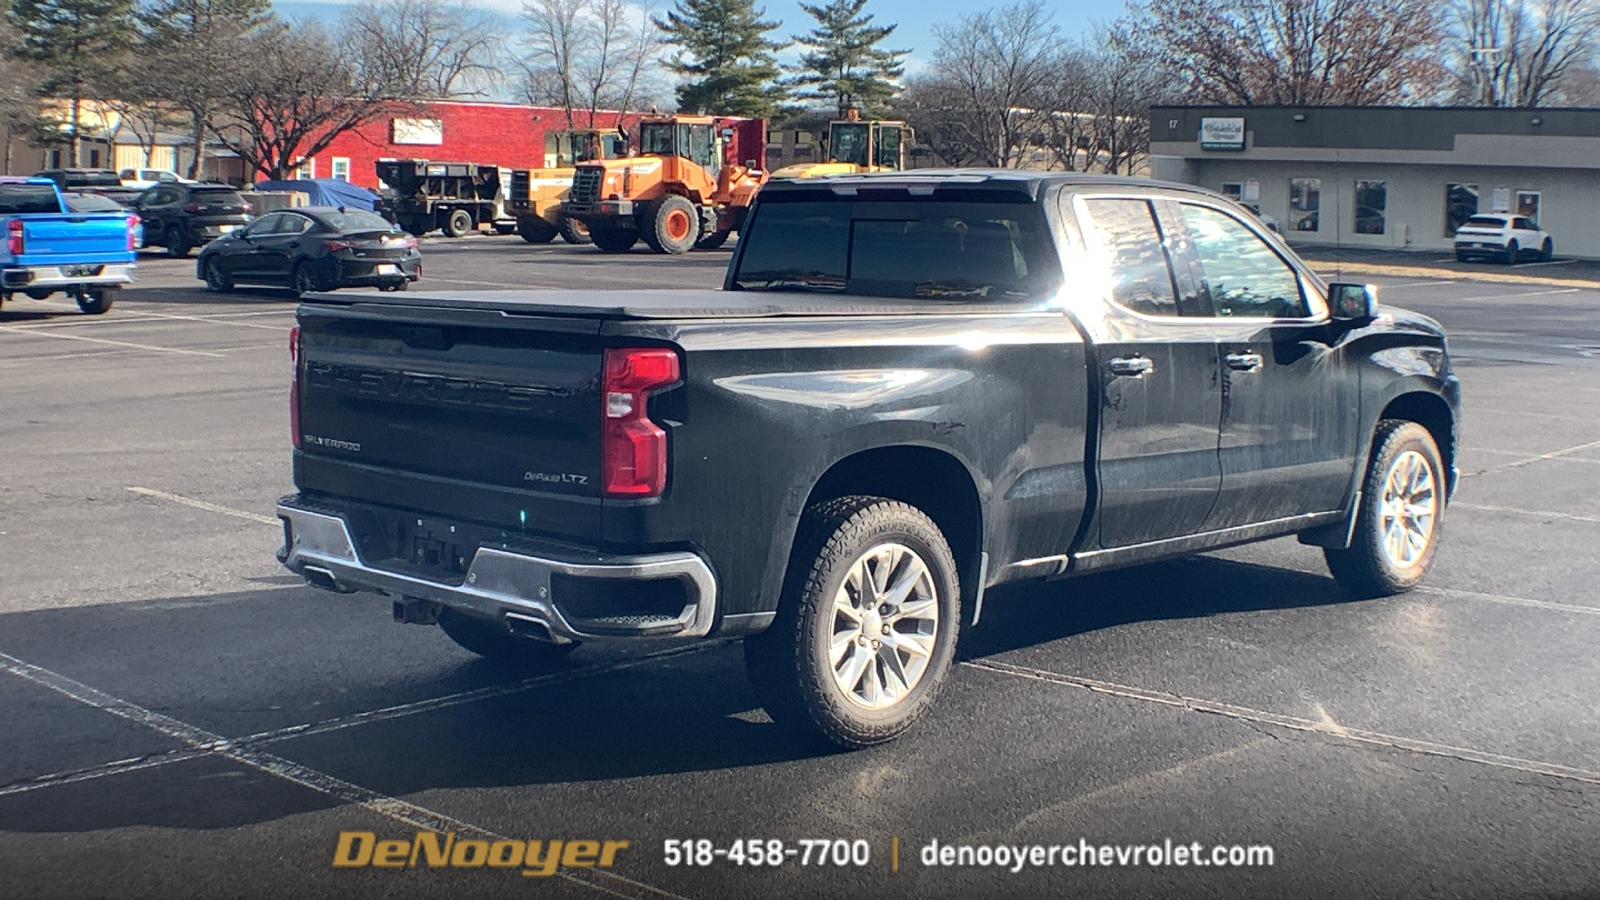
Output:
x,y
1460,204
1528,205
1305,204
1372,198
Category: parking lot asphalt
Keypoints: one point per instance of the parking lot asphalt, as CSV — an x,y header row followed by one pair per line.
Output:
x,y
183,718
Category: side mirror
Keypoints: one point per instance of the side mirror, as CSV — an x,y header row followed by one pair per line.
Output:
x,y
1353,302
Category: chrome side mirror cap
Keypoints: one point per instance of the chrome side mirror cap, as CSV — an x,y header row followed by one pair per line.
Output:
x,y
1353,302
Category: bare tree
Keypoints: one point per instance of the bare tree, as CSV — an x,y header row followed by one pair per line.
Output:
x,y
1516,52
978,101
1293,52
291,94
423,49
589,55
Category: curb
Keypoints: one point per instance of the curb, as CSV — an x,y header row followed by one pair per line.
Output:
x,y
1491,277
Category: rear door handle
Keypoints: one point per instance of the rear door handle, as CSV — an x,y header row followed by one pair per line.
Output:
x,y
1131,365
1244,362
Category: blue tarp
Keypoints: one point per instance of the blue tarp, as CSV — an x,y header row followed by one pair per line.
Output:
x,y
326,192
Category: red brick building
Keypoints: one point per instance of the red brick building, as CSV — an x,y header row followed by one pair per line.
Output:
x,y
502,134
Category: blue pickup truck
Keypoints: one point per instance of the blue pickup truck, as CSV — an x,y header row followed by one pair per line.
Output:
x,y
48,248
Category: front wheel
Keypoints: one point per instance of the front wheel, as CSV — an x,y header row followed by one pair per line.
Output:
x,y
713,240
1398,524
866,627
178,244
216,282
573,231
495,642
535,230
613,240
674,226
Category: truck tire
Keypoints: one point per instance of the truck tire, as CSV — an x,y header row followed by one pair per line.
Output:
x,y
178,245
216,281
418,227
535,230
505,228
613,240
866,627
673,227
713,240
97,301
495,642
457,223
1399,523
573,231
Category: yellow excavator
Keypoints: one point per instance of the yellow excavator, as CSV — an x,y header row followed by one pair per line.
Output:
x,y
857,145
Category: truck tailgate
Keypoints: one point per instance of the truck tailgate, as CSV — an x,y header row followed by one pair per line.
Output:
x,y
74,238
467,415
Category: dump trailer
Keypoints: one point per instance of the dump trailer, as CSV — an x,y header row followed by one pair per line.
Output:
x,y
689,187
857,145
452,197
537,194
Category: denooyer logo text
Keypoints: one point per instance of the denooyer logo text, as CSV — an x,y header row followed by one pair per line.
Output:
x,y
359,849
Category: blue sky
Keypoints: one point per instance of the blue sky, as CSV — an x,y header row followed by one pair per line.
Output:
x,y
914,18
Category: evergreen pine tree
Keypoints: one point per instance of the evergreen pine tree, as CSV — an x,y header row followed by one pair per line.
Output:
x,y
844,65
74,45
724,52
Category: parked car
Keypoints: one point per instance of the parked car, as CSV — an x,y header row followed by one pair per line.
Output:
x,y
181,217
313,248
48,247
91,181
910,389
77,201
149,178
1503,236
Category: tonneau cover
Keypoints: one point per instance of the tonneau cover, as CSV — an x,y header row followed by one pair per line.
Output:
x,y
665,304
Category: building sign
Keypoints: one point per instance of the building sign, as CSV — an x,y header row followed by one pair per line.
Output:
x,y
1222,134
416,131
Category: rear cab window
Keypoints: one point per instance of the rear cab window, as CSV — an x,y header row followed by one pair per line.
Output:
x,y
933,248
25,199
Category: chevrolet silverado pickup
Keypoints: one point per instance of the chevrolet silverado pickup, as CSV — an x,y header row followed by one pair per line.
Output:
x,y
49,248
911,388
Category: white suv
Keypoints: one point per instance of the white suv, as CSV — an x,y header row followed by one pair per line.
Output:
x,y
1502,236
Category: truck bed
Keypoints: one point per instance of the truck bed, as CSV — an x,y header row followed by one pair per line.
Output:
x,y
660,304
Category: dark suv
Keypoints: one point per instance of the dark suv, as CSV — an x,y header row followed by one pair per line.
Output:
x,y
181,217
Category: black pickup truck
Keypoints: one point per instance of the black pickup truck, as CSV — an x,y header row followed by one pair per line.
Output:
x,y
912,387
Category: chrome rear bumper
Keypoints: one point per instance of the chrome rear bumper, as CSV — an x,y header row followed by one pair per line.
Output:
x,y
510,586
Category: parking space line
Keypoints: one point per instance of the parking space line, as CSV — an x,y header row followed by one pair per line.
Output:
x,y
212,321
1533,459
1293,723
1524,294
1519,453
209,507
78,337
1512,601
402,811
1535,513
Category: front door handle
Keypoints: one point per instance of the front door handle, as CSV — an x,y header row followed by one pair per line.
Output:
x,y
1131,365
1244,362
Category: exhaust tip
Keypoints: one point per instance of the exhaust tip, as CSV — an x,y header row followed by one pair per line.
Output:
x,y
530,627
318,577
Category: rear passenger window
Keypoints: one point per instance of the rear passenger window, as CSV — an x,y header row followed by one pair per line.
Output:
x,y
1125,234
1244,276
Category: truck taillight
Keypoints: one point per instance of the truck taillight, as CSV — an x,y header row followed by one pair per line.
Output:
x,y
633,449
133,225
14,244
294,385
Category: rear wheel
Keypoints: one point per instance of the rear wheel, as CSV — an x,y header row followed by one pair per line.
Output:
x,y
613,240
394,286
177,241
418,227
1398,525
216,282
1547,251
307,280
573,231
866,627
458,223
505,228
494,641
674,226
1513,251
713,240
535,230
96,301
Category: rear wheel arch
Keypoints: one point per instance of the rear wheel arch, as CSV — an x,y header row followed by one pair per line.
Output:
x,y
929,479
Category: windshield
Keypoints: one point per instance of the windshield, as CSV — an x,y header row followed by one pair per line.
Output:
x,y
849,143
91,203
1486,222
352,220
20,199
891,248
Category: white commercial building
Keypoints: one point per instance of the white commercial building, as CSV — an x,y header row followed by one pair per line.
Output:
x,y
1390,177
